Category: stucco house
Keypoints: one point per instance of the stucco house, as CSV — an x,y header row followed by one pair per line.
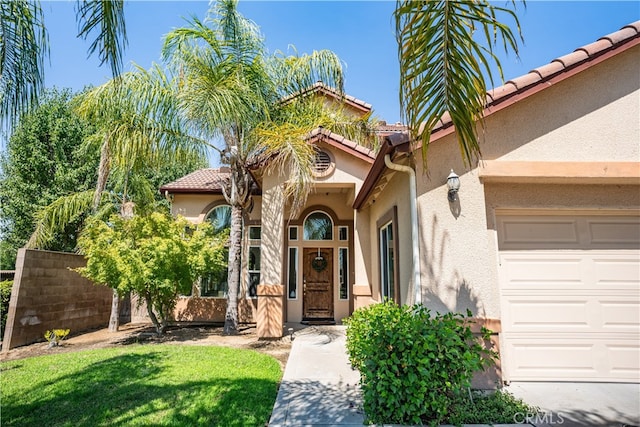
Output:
x,y
541,242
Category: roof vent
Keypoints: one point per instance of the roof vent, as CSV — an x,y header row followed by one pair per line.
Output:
x,y
322,164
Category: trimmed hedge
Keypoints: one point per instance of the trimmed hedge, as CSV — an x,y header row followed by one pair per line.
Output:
x,y
413,365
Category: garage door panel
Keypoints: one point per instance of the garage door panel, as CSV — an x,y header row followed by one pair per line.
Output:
x,y
531,358
588,359
570,297
532,313
570,269
621,270
624,315
558,312
623,360
546,270
516,231
523,232
617,233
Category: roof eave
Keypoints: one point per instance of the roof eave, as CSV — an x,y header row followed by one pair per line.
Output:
x,y
392,144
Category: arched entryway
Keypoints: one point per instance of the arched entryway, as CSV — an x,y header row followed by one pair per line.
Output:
x,y
318,271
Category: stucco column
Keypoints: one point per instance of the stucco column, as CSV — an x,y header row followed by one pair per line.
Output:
x,y
270,318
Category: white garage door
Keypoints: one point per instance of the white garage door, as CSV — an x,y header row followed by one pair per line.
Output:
x,y
570,296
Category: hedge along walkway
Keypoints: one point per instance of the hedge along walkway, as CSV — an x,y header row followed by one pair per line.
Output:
x,y
163,384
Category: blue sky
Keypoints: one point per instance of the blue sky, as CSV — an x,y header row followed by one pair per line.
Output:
x,y
360,32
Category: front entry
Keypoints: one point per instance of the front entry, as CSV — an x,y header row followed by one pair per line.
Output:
x,y
317,300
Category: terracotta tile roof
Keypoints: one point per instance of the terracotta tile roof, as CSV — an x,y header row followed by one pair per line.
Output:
x,y
557,70
513,91
200,181
210,180
384,128
585,55
320,87
342,143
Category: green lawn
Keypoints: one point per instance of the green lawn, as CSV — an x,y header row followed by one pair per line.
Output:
x,y
139,385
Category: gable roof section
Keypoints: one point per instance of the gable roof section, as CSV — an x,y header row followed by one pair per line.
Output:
x,y
322,89
398,142
516,90
341,143
547,75
208,181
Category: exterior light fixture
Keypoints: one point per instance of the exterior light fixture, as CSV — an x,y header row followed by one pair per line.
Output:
x,y
453,182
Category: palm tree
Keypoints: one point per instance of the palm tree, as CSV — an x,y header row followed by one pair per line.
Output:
x,y
442,64
232,90
24,47
137,129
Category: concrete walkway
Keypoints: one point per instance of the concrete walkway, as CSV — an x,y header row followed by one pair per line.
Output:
x,y
319,388
581,404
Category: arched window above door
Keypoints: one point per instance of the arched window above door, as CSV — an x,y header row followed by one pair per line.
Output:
x,y
220,218
318,226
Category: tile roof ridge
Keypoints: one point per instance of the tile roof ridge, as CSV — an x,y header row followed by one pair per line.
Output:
x,y
563,63
320,86
342,140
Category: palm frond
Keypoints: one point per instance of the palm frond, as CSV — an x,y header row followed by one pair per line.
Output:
x,y
23,48
105,19
140,119
54,217
289,153
442,65
241,38
295,73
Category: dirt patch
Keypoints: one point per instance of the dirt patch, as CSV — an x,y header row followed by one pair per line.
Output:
x,y
144,334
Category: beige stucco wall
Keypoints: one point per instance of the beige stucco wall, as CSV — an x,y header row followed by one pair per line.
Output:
x,y
396,193
335,192
592,116
195,207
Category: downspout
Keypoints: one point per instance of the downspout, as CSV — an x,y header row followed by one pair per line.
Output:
x,y
414,224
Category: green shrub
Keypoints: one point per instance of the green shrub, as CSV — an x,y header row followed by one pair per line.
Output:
x,y
499,407
55,336
413,365
5,296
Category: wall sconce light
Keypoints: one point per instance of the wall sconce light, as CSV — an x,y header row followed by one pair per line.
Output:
x,y
453,182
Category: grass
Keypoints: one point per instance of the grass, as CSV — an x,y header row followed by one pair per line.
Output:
x,y
138,385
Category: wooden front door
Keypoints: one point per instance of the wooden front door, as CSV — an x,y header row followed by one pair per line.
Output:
x,y
317,300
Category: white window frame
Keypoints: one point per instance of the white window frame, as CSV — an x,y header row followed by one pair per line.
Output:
x,y
318,240
345,273
293,263
387,264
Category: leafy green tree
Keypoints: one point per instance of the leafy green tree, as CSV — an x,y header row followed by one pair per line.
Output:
x,y
139,149
442,61
154,256
24,47
137,132
232,90
44,160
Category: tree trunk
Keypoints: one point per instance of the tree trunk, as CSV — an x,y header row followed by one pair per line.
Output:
x,y
233,279
152,315
103,175
114,318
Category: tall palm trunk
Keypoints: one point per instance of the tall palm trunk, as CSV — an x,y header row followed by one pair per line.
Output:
x,y
237,194
233,280
103,174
